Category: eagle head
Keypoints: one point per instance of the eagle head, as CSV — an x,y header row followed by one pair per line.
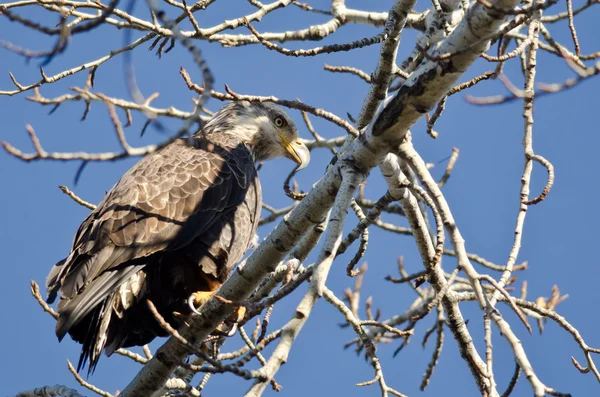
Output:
x,y
264,127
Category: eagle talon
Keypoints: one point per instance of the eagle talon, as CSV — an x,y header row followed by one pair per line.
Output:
x,y
233,330
180,318
233,320
219,331
191,300
198,298
237,315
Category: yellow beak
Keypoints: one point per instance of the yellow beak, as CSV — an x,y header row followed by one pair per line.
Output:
x,y
295,151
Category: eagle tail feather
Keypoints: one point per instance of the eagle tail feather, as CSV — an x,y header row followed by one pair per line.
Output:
x,y
95,337
52,283
76,309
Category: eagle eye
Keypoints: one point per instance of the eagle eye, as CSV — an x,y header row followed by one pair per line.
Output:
x,y
279,122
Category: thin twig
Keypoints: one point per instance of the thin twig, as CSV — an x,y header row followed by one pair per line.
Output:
x,y
85,384
77,199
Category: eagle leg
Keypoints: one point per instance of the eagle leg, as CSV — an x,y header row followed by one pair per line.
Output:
x,y
198,298
236,317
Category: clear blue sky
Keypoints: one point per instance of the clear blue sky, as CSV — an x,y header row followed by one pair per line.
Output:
x,y
37,221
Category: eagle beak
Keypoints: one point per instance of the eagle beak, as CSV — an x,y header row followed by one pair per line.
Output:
x,y
296,151
299,153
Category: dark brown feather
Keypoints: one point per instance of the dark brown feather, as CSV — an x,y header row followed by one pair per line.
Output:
x,y
179,216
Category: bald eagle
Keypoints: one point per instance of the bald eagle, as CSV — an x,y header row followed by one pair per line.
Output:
x,y
172,228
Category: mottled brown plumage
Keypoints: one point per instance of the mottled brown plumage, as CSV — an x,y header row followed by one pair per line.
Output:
x,y
177,222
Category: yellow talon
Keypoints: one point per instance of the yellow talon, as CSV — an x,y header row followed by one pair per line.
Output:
x,y
181,318
198,298
235,317
238,314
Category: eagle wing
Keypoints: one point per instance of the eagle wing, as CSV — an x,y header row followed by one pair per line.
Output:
x,y
167,200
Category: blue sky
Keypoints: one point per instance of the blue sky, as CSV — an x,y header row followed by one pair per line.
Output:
x,y
37,221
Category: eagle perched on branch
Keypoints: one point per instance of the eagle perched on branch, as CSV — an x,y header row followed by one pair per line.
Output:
x,y
171,230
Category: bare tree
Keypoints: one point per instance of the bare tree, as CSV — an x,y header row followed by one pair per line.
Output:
x,y
452,35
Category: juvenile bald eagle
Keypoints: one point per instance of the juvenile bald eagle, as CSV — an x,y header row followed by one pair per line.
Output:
x,y
172,228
